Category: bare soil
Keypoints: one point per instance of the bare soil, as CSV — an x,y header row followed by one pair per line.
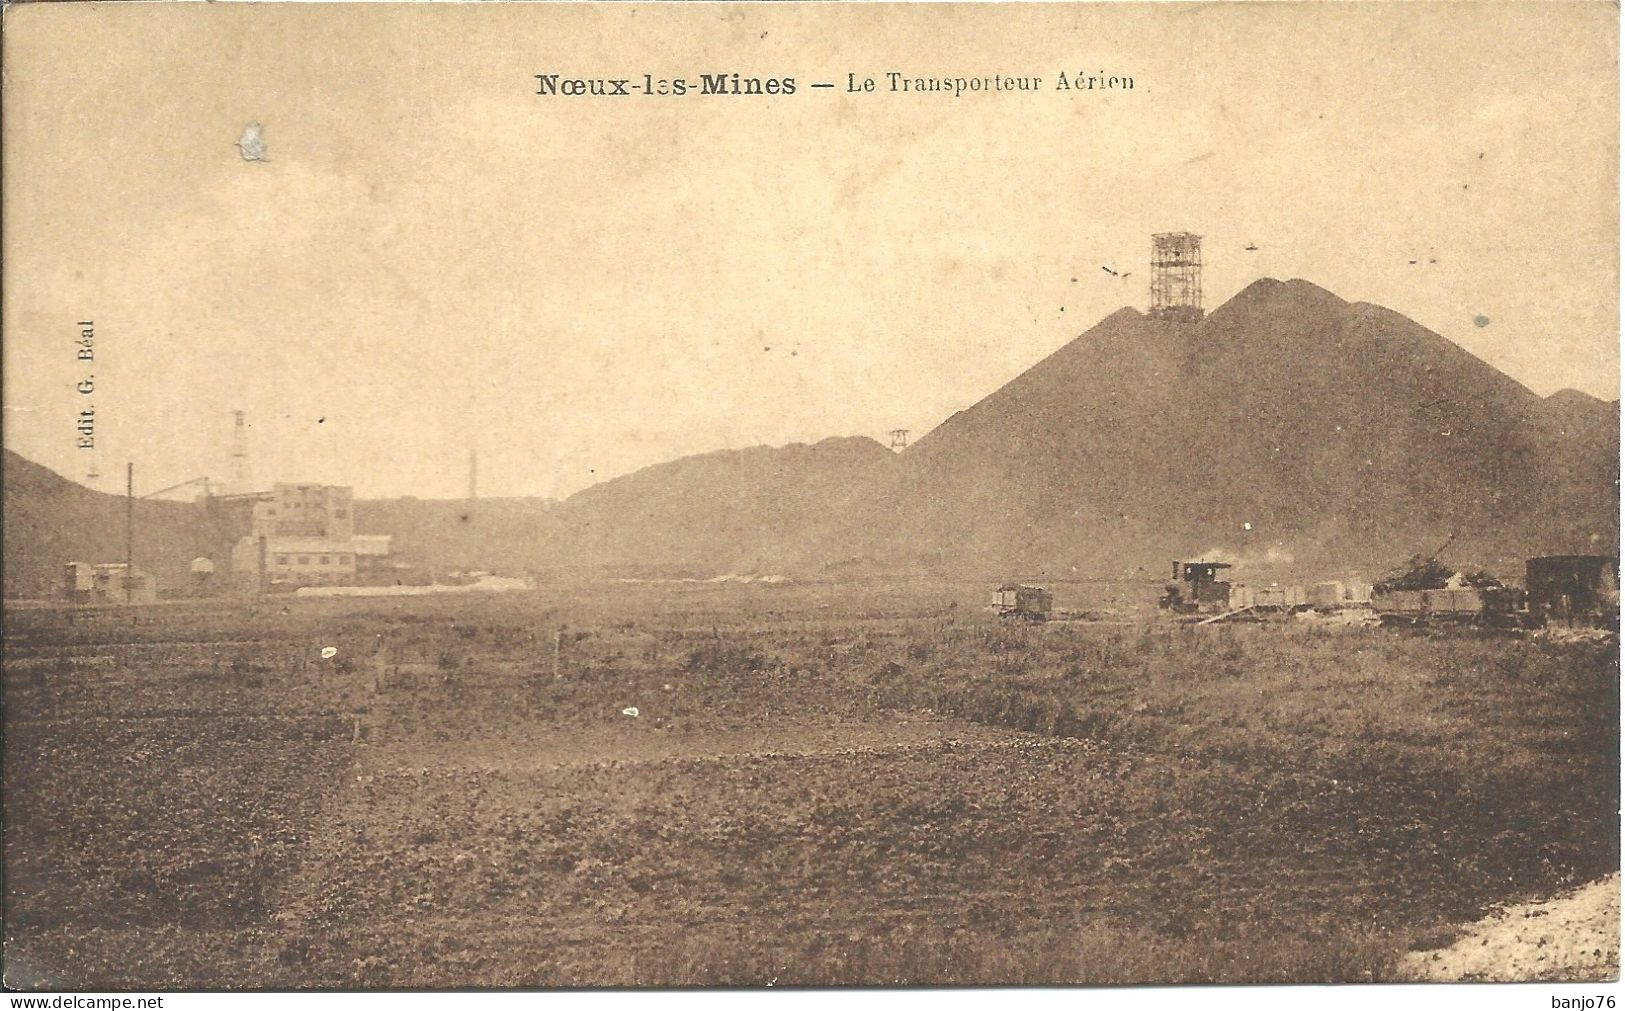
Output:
x,y
1573,937
824,784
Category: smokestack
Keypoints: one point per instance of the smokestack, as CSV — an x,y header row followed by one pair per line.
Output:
x,y
240,480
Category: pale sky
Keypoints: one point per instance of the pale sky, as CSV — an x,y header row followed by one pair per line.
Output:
x,y
433,254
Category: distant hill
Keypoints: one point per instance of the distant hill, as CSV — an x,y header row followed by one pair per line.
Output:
x,y
50,521
752,511
1291,431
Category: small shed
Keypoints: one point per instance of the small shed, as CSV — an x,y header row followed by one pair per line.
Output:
x,y
116,583
1014,600
79,581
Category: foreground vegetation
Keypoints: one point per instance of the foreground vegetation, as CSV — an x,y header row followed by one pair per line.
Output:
x,y
821,785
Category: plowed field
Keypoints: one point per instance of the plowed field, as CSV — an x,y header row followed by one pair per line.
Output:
x,y
820,785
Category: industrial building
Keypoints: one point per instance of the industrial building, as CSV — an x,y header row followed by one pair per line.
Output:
x,y
292,535
309,560
311,511
304,535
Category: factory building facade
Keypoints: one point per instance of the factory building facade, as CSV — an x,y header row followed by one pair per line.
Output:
x,y
307,511
307,561
304,535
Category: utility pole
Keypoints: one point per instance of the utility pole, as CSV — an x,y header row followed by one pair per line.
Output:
x,y
129,532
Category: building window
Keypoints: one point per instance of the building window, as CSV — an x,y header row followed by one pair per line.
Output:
x,y
326,560
338,514
344,559
304,559
282,559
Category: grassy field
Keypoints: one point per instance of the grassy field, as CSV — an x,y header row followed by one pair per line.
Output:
x,y
823,784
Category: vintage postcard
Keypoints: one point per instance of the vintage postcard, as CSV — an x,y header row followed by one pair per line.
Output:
x,y
654,495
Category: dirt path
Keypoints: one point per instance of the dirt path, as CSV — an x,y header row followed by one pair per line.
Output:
x,y
542,749
1572,937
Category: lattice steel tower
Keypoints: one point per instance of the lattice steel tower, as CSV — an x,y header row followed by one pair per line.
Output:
x,y
1176,276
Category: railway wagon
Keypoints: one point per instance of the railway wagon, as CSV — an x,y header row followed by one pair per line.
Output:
x,y
1574,589
1460,604
1275,597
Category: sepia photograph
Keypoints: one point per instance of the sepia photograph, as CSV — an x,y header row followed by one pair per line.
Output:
x,y
532,496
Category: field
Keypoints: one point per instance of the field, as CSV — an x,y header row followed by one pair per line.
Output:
x,y
873,783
